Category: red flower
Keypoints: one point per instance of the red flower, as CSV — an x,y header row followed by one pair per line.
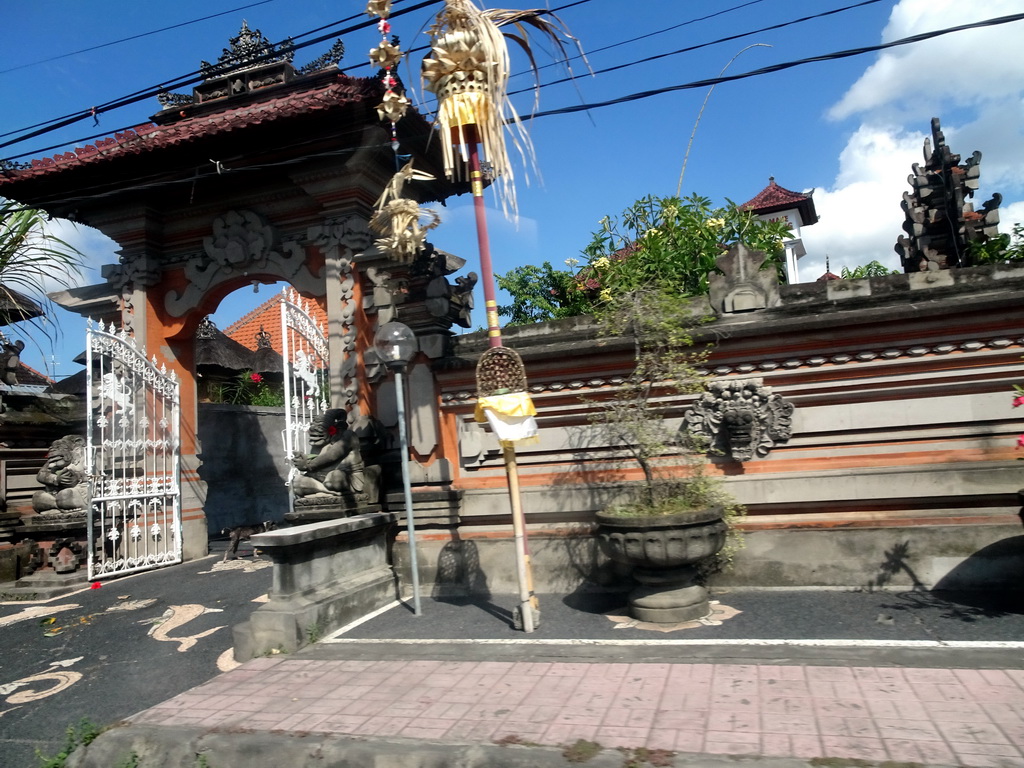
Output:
x,y
1019,400
332,431
256,377
95,585
1020,441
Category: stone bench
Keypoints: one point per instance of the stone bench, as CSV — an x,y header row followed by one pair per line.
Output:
x,y
326,575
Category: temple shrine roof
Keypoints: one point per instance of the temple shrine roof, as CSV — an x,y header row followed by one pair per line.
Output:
x,y
285,102
774,198
252,111
16,306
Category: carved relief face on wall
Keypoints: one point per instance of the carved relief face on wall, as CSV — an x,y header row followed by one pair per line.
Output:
x,y
740,419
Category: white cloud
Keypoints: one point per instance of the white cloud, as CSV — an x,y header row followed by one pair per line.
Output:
x,y
1010,215
974,78
961,68
860,217
97,247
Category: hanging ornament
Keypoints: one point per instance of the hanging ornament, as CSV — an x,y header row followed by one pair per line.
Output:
x,y
380,8
388,55
393,107
468,70
403,222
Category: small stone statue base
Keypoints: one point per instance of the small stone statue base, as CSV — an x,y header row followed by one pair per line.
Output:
x,y
668,596
314,509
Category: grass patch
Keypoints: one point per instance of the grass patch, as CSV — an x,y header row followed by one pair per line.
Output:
x,y
581,751
85,733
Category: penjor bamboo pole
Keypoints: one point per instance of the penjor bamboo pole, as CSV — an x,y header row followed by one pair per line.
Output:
x,y
527,602
476,180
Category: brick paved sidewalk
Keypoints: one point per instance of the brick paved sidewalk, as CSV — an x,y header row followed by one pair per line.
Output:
x,y
962,717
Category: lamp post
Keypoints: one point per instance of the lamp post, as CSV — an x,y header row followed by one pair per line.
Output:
x,y
396,344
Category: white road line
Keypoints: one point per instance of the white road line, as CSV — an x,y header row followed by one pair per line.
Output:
x,y
916,644
332,637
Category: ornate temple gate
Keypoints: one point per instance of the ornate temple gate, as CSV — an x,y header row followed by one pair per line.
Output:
x,y
132,457
306,375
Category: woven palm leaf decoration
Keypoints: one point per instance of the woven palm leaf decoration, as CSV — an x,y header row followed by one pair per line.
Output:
x,y
468,71
402,223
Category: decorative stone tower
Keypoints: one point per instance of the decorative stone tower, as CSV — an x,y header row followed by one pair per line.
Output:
x,y
941,223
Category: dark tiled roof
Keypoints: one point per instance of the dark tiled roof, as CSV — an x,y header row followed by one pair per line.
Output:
x,y
146,138
15,306
774,198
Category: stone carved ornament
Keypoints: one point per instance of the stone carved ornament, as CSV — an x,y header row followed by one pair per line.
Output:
x,y
740,418
241,242
65,486
743,285
346,232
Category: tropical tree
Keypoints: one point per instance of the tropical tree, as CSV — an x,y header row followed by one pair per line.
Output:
x,y
31,257
666,244
541,293
871,269
1001,248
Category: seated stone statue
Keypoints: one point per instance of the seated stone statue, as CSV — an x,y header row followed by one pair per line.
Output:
x,y
335,468
63,479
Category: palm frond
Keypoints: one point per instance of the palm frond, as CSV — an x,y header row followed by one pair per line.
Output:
x,y
30,256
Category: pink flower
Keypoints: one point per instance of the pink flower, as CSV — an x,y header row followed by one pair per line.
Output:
x,y
1018,400
256,377
1020,441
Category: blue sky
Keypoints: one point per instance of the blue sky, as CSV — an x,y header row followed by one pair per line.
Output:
x,y
848,129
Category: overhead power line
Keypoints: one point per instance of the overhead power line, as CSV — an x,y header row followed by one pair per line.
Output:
x,y
712,81
721,79
192,78
134,37
655,33
730,38
778,67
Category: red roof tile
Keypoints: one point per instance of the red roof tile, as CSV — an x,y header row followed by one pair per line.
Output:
x,y
774,198
148,137
267,316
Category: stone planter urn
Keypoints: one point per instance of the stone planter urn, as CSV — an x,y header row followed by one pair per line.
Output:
x,y
664,552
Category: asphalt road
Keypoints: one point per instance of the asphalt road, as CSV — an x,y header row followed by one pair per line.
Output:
x,y
104,654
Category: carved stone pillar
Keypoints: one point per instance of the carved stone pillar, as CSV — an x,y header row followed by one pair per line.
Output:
x,y
339,239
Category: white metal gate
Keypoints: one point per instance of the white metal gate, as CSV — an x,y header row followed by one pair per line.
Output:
x,y
132,457
306,379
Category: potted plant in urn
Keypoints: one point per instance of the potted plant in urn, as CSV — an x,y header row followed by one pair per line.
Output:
x,y
674,525
644,277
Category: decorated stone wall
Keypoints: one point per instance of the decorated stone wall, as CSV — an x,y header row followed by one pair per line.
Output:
x,y
879,446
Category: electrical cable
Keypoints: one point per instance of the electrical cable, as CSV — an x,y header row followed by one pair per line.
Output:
x,y
779,67
134,37
764,70
697,47
195,77
657,32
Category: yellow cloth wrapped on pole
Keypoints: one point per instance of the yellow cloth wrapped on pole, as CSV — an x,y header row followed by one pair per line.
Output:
x,y
511,416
